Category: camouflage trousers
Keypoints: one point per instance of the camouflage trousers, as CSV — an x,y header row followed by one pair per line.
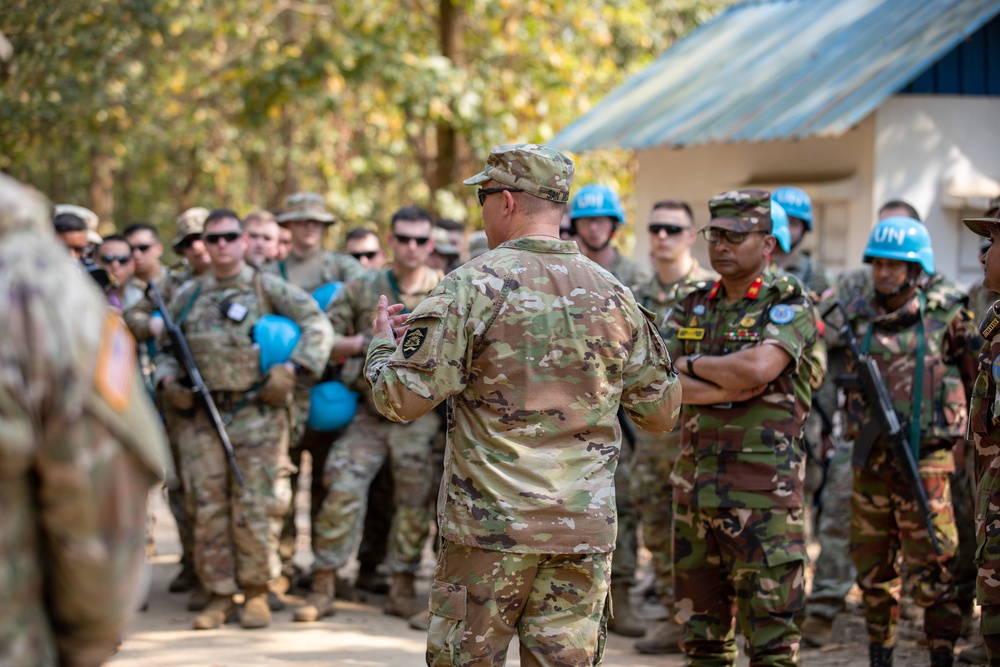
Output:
x,y
354,461
178,497
834,574
885,523
557,604
655,456
739,564
626,554
236,528
963,566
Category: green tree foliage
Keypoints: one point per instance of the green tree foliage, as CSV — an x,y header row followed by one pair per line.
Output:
x,y
141,108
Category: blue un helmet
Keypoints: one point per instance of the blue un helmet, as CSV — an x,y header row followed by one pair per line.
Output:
x,y
277,336
325,294
331,406
595,201
779,227
796,204
901,238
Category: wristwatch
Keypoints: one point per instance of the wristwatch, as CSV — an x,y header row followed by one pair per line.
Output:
x,y
690,361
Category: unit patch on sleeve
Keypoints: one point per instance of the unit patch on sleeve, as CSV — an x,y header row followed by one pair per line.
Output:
x,y
413,341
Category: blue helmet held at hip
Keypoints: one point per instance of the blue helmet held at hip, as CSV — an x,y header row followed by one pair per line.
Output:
x,y
903,239
596,201
325,294
331,406
779,227
277,336
796,203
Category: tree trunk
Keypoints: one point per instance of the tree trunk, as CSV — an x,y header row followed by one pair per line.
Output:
x,y
102,182
451,22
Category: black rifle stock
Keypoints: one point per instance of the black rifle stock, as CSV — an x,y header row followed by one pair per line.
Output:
x,y
182,353
886,420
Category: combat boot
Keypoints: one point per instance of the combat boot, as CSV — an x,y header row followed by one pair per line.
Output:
x,y
256,613
320,600
817,631
199,598
185,580
403,600
623,619
942,658
879,656
220,609
370,580
661,639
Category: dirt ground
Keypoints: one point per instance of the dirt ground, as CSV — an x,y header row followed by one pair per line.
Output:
x,y
360,635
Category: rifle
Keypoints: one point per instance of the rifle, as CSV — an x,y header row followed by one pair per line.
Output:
x,y
182,353
886,420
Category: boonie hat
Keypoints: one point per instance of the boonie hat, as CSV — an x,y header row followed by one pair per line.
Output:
x,y
306,206
538,170
188,223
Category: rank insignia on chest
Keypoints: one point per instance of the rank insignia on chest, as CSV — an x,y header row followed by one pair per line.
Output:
x,y
781,314
699,309
747,322
690,333
413,341
743,335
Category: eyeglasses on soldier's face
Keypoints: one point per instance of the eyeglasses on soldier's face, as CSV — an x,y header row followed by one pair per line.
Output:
x,y
142,248
714,234
671,230
403,239
111,259
485,192
370,255
228,237
187,241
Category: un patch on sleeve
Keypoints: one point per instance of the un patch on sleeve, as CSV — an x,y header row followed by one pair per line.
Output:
x,y
996,370
781,314
413,341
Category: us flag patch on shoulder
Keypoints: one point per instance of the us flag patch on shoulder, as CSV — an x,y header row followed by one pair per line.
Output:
x,y
116,363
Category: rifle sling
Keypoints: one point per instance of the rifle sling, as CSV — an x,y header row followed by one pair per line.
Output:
x,y
918,379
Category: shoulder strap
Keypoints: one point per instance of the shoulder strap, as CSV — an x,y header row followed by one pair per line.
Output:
x,y
187,306
262,298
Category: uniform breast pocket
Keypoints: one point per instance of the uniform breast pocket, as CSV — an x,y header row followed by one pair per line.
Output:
x,y
748,471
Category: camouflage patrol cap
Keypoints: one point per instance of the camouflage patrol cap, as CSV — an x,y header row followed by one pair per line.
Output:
x,y
23,208
188,223
990,221
538,170
741,210
89,218
306,206
478,244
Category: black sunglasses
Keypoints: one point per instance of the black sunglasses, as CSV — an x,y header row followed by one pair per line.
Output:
x,y
110,259
228,237
671,230
187,241
405,240
142,248
484,192
713,235
364,255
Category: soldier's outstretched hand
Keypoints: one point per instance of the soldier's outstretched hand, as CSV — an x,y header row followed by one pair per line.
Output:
x,y
389,320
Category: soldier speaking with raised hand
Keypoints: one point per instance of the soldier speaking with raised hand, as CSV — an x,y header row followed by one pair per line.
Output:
x,y
534,347
740,346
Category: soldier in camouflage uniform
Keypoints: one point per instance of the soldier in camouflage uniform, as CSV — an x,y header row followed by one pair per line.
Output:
x,y
309,266
187,242
372,439
80,446
984,428
917,333
236,529
741,348
533,346
671,236
595,216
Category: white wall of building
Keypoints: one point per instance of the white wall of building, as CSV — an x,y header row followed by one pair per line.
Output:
x,y
941,154
836,172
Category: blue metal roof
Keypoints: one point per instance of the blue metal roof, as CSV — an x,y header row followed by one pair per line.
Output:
x,y
778,69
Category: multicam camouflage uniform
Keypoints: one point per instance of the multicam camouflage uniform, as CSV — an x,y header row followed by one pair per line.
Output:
x,y
236,529
80,446
533,346
357,456
309,272
655,455
738,483
885,519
